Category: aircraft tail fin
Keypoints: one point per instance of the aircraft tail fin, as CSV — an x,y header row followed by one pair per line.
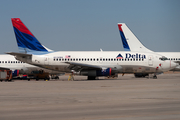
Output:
x,y
26,41
129,40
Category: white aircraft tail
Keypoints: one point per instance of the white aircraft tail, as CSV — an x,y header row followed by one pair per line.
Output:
x,y
129,40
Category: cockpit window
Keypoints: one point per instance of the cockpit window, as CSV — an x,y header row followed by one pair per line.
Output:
x,y
163,58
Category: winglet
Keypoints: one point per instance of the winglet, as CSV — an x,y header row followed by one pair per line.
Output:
x,y
26,41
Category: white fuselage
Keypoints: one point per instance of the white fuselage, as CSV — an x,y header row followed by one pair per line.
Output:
x,y
9,62
130,62
132,43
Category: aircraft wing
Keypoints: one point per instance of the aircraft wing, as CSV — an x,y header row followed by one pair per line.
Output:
x,y
177,62
2,68
19,54
80,66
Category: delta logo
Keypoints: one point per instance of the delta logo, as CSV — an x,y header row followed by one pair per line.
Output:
x,y
119,56
134,56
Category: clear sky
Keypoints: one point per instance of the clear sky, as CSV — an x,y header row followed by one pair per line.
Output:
x,y
88,25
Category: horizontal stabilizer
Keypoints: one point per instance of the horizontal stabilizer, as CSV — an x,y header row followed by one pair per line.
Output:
x,y
19,54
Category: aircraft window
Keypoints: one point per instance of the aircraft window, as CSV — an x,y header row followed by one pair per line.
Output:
x,y
133,59
179,58
73,59
0,61
82,59
5,61
101,59
130,59
122,59
139,59
109,59
176,58
142,59
127,59
76,59
88,59
94,59
59,59
136,59
85,59
79,59
119,59
97,59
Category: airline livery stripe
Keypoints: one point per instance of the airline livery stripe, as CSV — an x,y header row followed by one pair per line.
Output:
x,y
18,24
119,25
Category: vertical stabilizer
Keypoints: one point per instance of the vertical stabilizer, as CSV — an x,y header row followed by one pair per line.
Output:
x,y
26,41
129,40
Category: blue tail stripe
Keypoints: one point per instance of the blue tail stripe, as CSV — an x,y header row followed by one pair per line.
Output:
x,y
27,42
124,41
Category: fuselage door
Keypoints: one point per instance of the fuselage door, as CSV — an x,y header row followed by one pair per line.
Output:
x,y
46,60
150,60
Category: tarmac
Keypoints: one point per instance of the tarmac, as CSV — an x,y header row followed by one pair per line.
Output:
x,y
122,98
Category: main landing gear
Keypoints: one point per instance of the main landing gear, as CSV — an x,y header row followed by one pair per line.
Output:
x,y
91,78
154,77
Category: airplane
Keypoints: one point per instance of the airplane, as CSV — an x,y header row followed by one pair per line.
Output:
x,y
131,43
92,64
8,62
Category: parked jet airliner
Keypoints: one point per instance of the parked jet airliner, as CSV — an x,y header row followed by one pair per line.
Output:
x,y
131,43
88,63
8,62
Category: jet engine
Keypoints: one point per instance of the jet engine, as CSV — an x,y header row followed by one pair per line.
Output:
x,y
15,73
96,73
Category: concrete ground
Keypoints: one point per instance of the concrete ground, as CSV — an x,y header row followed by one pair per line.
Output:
x,y
124,98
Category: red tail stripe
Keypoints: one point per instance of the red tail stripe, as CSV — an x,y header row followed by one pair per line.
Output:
x,y
18,24
119,25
